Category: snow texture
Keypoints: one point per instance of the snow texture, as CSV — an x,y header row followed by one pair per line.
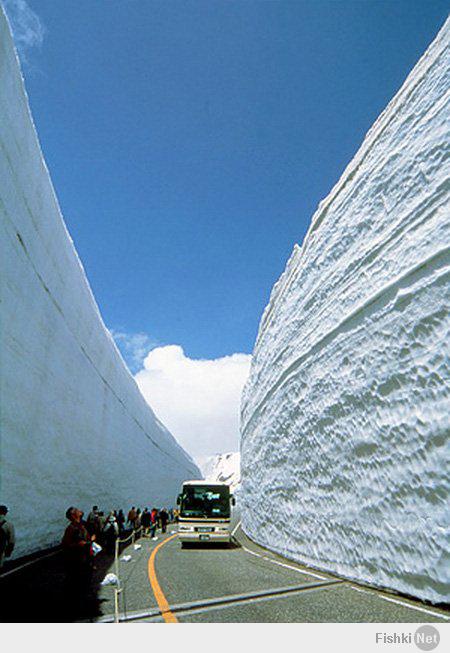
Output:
x,y
345,416
223,467
75,429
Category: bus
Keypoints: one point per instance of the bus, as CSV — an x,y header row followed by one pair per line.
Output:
x,y
205,512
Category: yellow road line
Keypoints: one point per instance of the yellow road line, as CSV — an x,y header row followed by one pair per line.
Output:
x,y
161,600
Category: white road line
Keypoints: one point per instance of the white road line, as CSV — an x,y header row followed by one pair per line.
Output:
x,y
235,528
403,603
300,571
282,564
358,589
251,552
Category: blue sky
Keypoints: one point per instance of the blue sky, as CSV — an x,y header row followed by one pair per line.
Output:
x,y
190,142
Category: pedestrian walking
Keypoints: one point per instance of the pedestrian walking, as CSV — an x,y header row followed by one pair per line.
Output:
x,y
7,536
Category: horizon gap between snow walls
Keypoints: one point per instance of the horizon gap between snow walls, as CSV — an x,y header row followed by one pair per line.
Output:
x,y
345,416
75,429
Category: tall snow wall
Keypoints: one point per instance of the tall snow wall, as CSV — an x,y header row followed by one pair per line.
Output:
x,y
75,429
346,413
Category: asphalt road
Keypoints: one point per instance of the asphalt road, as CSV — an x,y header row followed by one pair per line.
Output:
x,y
244,583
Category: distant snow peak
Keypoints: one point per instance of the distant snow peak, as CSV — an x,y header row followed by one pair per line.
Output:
x,y
223,467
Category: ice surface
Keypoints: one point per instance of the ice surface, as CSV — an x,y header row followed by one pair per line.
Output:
x,y
346,413
75,429
224,467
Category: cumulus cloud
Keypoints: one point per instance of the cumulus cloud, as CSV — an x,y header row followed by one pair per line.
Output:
x,y
28,29
198,400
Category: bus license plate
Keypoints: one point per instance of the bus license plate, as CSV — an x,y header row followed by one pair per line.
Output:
x,y
204,537
204,530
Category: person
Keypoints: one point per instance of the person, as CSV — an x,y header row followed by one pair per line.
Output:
x,y
121,521
93,522
164,517
111,532
76,544
7,536
132,517
145,521
153,523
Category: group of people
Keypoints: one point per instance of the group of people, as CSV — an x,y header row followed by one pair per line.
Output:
x,y
81,538
107,529
150,520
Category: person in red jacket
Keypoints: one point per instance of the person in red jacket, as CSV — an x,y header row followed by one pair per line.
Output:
x,y
153,523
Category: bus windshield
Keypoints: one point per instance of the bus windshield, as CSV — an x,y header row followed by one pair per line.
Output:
x,y
205,501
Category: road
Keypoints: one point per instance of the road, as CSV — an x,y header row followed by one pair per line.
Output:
x,y
244,583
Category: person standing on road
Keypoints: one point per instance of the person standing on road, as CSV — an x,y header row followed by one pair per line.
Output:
x,y
93,522
7,536
111,532
145,521
164,517
76,545
153,523
121,521
132,517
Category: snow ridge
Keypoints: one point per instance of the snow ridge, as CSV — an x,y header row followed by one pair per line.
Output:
x,y
345,416
75,429
223,467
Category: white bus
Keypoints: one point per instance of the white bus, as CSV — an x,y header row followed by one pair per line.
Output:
x,y
205,511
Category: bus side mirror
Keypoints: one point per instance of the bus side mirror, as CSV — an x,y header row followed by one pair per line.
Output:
x,y
233,500
178,499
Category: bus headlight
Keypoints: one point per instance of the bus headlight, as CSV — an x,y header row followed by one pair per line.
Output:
x,y
185,528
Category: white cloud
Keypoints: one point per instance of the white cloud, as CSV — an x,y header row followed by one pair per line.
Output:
x,y
28,29
198,400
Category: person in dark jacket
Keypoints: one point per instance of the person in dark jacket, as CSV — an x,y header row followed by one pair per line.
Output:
x,y
121,521
77,551
145,521
111,532
7,536
164,518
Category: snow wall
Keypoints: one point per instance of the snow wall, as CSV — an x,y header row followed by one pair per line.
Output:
x,y
346,413
75,429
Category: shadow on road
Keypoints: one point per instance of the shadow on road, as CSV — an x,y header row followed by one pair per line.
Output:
x,y
38,593
210,545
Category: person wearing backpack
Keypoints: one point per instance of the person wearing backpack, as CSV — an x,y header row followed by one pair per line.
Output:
x,y
7,537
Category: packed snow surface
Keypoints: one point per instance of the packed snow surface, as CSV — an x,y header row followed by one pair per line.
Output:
x,y
346,413
223,467
75,429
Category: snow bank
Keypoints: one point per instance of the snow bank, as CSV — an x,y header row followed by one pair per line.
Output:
x,y
345,416
74,426
223,467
